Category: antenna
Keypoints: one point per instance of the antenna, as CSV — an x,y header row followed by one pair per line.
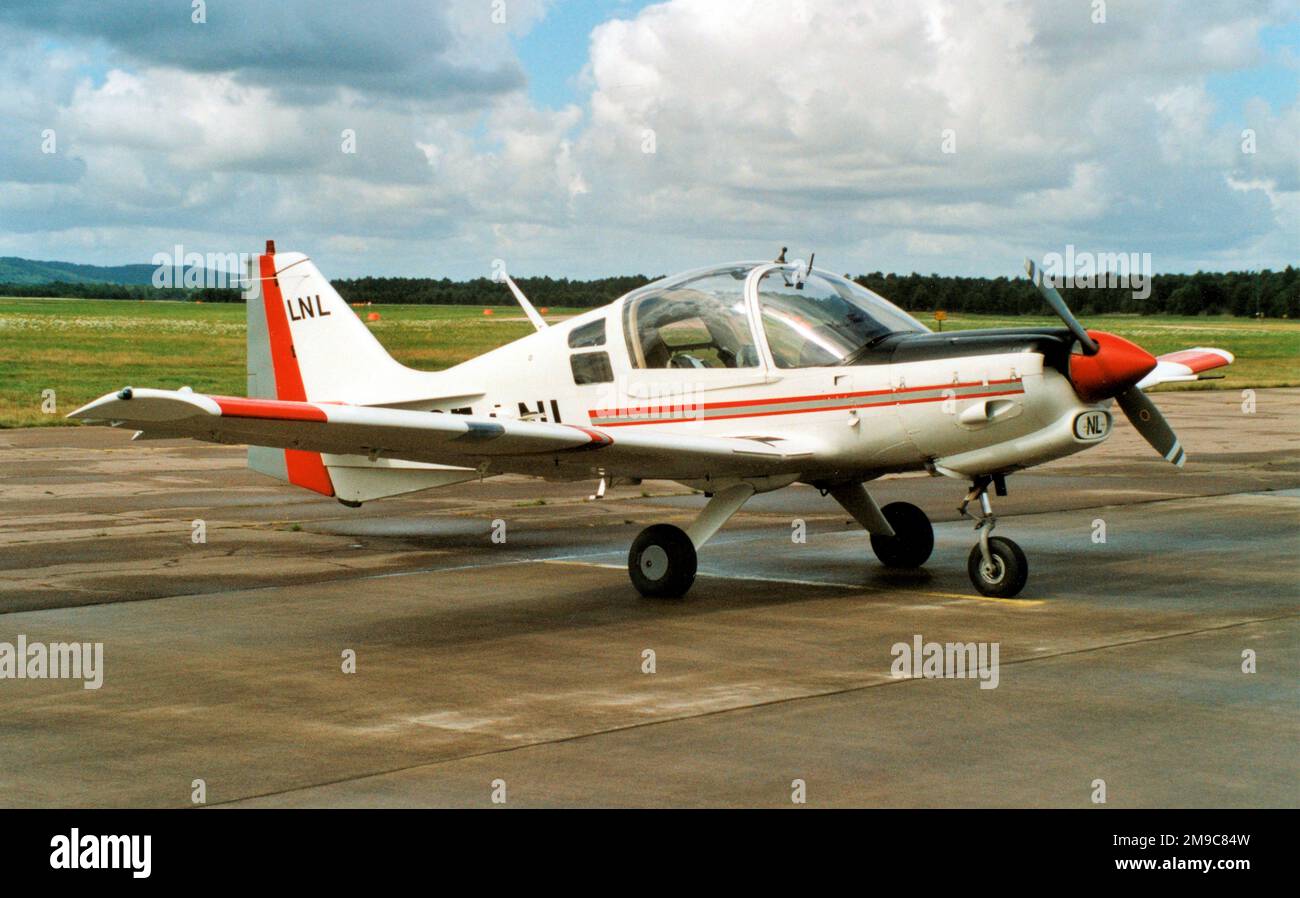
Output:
x,y
538,321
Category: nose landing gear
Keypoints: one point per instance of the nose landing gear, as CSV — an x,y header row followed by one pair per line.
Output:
x,y
997,566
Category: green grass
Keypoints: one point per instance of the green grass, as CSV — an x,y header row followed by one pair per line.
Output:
x,y
82,349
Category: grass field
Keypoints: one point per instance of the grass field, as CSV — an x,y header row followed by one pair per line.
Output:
x,y
82,349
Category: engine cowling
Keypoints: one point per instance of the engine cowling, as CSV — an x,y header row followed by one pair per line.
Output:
x,y
1116,365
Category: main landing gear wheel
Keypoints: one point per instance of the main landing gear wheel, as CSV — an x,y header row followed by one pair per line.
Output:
x,y
1006,571
913,538
662,562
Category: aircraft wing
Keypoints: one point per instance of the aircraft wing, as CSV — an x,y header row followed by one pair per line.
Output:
x,y
493,445
1185,365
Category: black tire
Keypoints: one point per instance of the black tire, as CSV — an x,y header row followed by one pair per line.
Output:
x,y
913,538
662,562
1011,569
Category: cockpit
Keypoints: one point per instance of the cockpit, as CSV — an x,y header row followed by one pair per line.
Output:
x,y
818,319
710,319
696,320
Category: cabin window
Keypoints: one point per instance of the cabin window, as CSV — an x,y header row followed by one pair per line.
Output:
x,y
590,334
591,368
697,323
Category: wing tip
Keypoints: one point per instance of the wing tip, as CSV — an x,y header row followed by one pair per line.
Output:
x,y
140,405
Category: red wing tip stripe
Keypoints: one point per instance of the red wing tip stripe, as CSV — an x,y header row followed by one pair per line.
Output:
x,y
268,409
598,440
1196,359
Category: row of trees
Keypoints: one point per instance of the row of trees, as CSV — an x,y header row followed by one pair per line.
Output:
x,y
1270,293
120,291
541,291
1273,294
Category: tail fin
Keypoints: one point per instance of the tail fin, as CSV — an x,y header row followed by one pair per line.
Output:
x,y
306,344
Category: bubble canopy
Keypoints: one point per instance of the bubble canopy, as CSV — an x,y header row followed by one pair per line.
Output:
x,y
720,317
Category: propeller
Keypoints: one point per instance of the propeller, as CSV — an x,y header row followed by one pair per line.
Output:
x,y
1109,367
1061,309
1143,415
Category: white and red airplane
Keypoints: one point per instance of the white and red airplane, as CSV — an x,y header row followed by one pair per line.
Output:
x,y
733,380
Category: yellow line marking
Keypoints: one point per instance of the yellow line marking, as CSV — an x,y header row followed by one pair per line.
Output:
x,y
1024,603
611,567
979,598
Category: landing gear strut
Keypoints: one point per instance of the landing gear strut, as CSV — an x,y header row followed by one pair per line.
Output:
x,y
997,566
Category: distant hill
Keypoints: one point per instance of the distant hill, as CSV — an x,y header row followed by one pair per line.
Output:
x,y
27,271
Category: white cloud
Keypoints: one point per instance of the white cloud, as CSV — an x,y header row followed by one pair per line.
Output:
x,y
819,125
826,128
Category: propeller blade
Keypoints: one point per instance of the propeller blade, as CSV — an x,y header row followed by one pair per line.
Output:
x,y
1144,415
1060,308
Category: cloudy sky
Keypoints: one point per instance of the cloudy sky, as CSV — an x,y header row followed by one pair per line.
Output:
x,y
592,137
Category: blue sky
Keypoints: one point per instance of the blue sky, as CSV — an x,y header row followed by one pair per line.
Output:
x,y
554,51
1276,80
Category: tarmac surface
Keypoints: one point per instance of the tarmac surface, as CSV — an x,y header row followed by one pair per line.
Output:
x,y
519,668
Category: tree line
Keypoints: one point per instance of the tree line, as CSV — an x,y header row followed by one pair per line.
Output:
x,y
1272,294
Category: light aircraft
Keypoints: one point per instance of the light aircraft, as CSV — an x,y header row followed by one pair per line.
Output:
x,y
734,380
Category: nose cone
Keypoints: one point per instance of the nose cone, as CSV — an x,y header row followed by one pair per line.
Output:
x,y
1117,365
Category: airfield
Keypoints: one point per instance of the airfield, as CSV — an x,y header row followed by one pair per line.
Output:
x,y
521,662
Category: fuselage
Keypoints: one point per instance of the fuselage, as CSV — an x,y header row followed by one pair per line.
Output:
x,y
961,404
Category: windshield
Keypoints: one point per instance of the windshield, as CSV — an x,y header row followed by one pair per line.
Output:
x,y
824,320
698,320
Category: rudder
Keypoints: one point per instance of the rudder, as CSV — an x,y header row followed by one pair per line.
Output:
x,y
274,373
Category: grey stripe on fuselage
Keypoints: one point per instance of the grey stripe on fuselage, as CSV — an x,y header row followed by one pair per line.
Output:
x,y
687,413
